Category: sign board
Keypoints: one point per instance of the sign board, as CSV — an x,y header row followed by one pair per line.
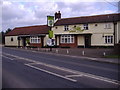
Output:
x,y
51,42
50,34
50,21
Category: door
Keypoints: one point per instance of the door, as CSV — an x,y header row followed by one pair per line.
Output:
x,y
24,42
87,41
42,41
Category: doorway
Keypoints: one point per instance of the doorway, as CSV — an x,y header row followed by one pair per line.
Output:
x,y
87,41
24,42
42,41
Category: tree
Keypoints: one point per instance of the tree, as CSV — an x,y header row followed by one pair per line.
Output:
x,y
8,30
2,37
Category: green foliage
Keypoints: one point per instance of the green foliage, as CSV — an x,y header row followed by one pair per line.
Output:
x,y
2,37
28,41
8,30
112,56
50,34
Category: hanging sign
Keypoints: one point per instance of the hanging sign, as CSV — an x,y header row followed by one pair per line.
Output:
x,y
50,34
50,21
51,42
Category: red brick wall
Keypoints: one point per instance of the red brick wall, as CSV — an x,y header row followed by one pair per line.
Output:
x,y
69,44
36,44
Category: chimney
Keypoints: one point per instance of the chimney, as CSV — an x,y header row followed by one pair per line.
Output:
x,y
58,15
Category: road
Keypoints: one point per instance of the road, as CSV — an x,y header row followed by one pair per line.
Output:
x,y
32,69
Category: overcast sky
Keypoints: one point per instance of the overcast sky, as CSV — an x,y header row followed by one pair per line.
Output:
x,y
19,13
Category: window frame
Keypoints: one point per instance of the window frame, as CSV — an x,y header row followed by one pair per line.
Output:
x,y
85,26
107,26
69,39
108,39
35,39
66,27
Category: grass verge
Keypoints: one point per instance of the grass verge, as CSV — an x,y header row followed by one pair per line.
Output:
x,y
112,56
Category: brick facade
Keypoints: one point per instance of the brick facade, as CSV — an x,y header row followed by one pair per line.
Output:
x,y
36,44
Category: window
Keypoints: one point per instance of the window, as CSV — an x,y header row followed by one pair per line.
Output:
x,y
75,26
85,26
67,39
66,28
108,39
107,26
56,27
35,40
96,25
11,38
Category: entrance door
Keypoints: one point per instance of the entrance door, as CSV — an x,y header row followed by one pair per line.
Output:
x,y
18,41
24,42
87,41
42,41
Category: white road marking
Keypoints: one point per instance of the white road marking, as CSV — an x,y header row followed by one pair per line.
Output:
x,y
79,64
51,73
7,57
83,65
70,70
74,75
26,59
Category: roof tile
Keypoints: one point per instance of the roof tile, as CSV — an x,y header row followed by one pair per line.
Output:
x,y
30,30
89,19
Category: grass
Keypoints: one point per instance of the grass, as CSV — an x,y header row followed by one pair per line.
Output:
x,y
112,56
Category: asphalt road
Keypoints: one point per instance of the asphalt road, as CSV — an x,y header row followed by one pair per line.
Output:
x,y
27,69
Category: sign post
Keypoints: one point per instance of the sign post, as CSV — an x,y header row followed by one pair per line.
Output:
x,y
50,23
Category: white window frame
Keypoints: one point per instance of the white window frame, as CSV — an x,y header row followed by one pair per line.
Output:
x,y
85,26
108,39
66,28
67,39
35,39
107,26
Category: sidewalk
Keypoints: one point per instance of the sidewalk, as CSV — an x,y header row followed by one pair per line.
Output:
x,y
86,53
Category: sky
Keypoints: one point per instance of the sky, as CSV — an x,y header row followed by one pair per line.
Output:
x,y
20,13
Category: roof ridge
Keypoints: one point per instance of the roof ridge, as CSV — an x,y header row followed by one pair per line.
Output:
x,y
30,26
91,16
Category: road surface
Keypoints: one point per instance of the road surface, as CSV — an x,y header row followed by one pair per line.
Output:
x,y
32,69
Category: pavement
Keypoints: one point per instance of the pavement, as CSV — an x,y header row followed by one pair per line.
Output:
x,y
94,54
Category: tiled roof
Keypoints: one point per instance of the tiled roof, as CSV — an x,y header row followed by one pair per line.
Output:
x,y
89,19
30,30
